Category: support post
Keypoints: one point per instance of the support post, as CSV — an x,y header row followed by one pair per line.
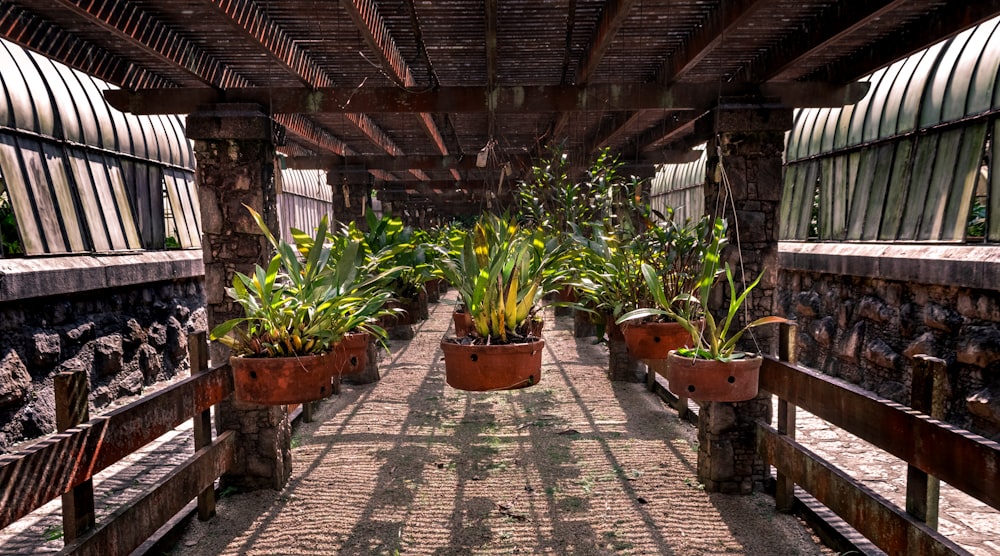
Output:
x,y
234,146
923,491
202,423
72,393
743,184
784,495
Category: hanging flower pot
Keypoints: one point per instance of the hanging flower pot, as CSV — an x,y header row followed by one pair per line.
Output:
x,y
712,380
654,340
282,380
350,355
482,368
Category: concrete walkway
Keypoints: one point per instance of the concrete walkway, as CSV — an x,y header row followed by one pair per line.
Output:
x,y
574,465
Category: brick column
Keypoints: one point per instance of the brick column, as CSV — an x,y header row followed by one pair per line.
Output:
x,y
234,149
751,142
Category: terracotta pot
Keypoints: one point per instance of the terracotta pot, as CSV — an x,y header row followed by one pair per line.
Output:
x,y
350,355
567,294
282,380
499,367
708,380
654,340
535,327
463,323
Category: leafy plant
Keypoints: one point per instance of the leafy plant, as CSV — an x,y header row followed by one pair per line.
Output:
x,y
712,339
500,273
303,307
10,244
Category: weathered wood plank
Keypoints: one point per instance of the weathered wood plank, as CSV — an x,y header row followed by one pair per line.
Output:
x,y
890,528
52,466
960,458
129,526
72,394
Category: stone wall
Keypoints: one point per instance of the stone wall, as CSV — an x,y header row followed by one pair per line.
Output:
x,y
865,311
125,337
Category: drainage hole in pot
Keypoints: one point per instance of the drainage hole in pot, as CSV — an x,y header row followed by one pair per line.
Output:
x,y
690,387
656,339
475,357
253,374
354,361
731,379
322,390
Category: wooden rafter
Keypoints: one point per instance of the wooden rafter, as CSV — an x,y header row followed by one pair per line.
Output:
x,y
491,63
37,34
130,23
946,21
391,163
472,99
726,18
612,17
271,38
375,32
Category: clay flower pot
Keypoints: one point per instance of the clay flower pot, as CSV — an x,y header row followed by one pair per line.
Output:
x,y
463,323
710,380
350,355
654,340
481,368
282,380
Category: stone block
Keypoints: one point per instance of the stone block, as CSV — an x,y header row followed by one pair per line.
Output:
x,y
150,364
986,404
807,304
108,355
874,309
15,381
177,341
927,344
979,346
850,345
892,390
82,333
721,418
823,331
157,334
130,384
942,318
881,354
621,367
136,334
47,350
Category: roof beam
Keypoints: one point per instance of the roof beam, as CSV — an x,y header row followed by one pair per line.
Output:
x,y
128,22
491,63
724,20
34,33
835,24
275,42
612,17
375,32
391,163
948,20
511,100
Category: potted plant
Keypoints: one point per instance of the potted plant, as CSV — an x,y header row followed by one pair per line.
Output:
x,y
713,369
499,274
673,257
296,313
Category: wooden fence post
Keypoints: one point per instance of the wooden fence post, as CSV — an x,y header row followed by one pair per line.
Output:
x,y
72,393
784,495
926,396
202,423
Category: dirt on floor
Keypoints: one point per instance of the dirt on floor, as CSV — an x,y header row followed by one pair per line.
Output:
x,y
574,465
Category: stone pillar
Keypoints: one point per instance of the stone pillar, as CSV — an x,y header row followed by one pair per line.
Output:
x,y
621,366
751,142
234,149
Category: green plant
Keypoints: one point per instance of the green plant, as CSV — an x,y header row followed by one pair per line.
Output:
x,y
10,244
303,306
712,339
500,274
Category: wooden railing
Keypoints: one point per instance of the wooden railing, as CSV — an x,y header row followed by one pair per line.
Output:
x,y
962,459
65,463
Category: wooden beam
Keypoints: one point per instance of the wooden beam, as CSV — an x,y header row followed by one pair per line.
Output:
x,y
376,33
707,37
362,163
35,33
835,24
472,99
128,22
937,25
491,64
613,16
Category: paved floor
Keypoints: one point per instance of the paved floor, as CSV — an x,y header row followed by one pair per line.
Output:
x,y
965,520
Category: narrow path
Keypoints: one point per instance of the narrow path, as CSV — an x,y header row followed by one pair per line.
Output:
x,y
573,465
